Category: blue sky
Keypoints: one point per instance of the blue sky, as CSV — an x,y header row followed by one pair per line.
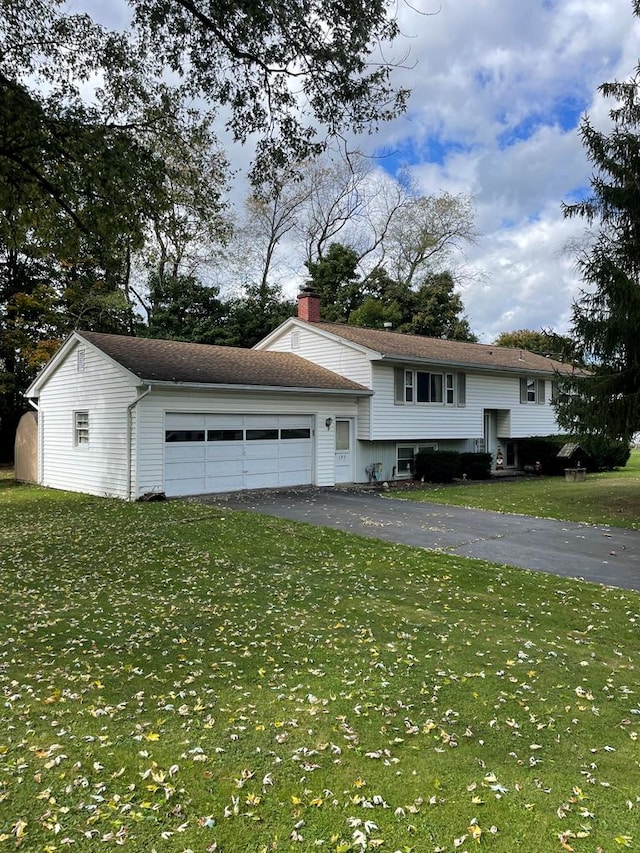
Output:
x,y
498,90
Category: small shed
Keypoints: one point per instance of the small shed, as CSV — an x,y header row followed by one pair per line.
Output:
x,y
26,448
572,455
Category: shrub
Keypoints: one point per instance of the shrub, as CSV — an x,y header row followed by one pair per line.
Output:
x,y
442,466
605,453
436,466
477,466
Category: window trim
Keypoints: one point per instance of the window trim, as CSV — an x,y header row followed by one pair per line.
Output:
x,y
443,387
81,428
532,391
415,447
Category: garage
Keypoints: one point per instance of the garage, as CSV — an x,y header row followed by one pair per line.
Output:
x,y
223,453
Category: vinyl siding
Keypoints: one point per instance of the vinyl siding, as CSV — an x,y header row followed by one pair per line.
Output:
x,y
439,422
151,418
334,355
104,391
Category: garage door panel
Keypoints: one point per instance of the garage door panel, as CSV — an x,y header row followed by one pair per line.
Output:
x,y
260,465
296,463
266,480
290,478
224,468
185,486
225,483
187,452
218,451
180,470
289,449
184,420
261,450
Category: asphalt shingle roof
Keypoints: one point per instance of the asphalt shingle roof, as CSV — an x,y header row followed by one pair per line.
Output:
x,y
155,360
394,345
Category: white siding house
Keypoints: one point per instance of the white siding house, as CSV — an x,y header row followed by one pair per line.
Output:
x,y
313,403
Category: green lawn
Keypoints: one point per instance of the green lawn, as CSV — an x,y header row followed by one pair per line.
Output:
x,y
609,498
178,677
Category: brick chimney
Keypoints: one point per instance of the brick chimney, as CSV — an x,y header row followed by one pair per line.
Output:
x,y
308,304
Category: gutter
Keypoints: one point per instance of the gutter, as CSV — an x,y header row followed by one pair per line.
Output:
x,y
34,402
130,409
210,386
476,367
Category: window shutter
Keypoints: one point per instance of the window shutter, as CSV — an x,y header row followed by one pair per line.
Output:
x,y
540,392
398,386
554,391
523,389
461,379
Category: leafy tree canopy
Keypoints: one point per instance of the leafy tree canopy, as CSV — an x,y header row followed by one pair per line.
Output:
x,y
552,344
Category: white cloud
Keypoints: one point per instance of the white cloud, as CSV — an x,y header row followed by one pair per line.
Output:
x,y
498,90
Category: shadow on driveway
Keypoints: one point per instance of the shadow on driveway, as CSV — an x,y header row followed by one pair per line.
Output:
x,y
604,555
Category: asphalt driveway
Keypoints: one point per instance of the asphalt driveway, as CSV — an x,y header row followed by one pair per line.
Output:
x,y
601,555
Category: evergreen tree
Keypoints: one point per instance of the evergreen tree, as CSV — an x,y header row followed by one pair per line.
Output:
x,y
606,317
337,282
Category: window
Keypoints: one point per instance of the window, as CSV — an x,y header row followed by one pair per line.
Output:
x,y
224,435
461,381
172,435
531,390
81,428
428,387
449,392
295,432
408,386
262,435
405,454
343,430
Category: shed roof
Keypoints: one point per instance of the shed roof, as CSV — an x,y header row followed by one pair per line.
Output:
x,y
570,449
153,360
394,345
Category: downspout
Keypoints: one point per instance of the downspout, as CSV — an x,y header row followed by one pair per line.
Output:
x,y
33,403
130,409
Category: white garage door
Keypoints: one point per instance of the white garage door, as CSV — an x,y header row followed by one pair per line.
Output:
x,y
224,453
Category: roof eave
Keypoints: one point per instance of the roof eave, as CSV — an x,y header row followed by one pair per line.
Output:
x,y
415,359
228,386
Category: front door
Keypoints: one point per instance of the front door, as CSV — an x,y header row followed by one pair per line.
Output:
x,y
344,450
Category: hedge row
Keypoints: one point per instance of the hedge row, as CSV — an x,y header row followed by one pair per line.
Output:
x,y
602,454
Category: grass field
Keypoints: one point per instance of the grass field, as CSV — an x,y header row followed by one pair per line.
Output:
x,y
608,498
178,677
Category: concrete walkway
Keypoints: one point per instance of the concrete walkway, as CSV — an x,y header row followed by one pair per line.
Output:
x,y
598,554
